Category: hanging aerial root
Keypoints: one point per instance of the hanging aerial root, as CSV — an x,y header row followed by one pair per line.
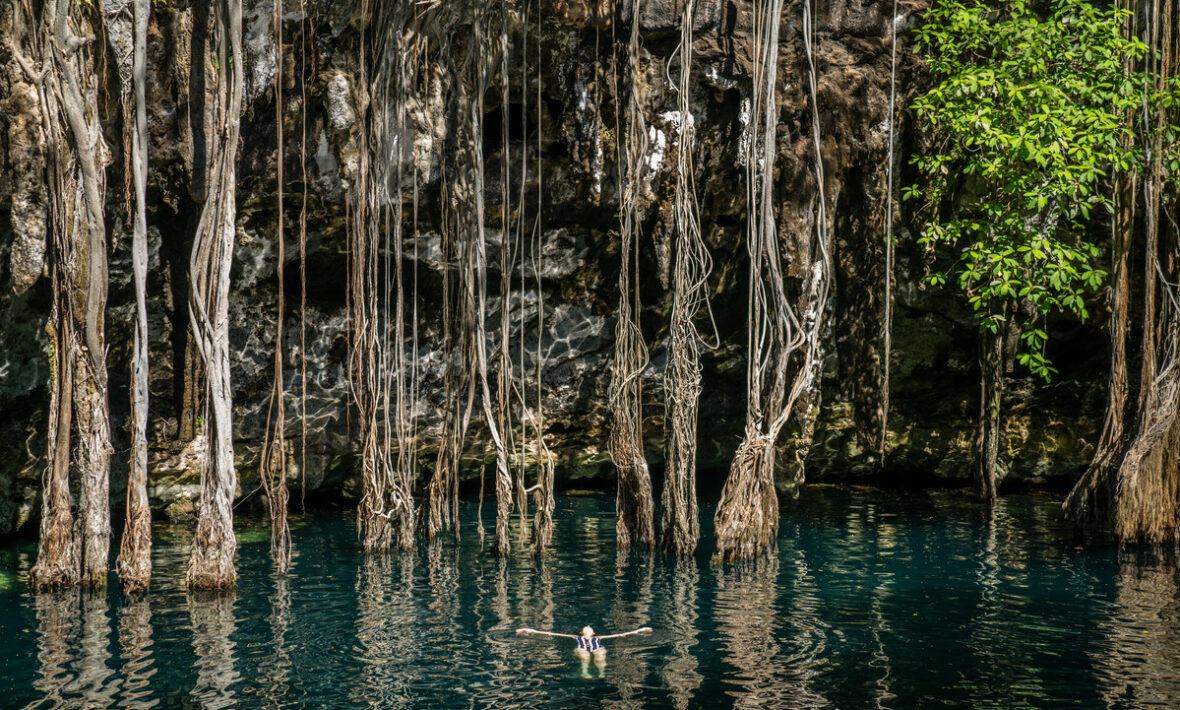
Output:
x,y
682,378
635,506
784,350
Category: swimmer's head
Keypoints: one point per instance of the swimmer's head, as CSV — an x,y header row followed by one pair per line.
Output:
x,y
587,631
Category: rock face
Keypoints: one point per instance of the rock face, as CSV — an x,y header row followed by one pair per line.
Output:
x,y
571,130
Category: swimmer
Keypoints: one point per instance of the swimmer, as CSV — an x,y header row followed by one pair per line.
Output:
x,y
589,645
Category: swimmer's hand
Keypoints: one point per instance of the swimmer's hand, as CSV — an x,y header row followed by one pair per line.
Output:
x,y
526,632
642,630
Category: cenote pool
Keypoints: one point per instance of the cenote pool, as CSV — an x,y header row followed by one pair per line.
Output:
x,y
874,599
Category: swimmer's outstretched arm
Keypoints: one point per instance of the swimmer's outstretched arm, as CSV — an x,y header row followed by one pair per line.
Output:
x,y
643,630
526,632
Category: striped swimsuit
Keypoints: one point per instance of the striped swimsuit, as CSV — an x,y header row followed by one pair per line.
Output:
x,y
589,644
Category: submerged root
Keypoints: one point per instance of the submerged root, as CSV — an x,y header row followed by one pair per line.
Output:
x,y
636,509
747,516
1148,487
56,566
211,566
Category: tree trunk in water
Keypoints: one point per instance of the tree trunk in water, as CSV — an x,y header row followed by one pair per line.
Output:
x,y
747,514
61,40
374,510
134,562
1147,486
1134,486
441,491
635,506
56,554
1147,490
690,271
543,489
211,561
784,350
991,393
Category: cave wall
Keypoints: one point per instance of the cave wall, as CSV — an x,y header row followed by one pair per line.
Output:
x,y
1050,429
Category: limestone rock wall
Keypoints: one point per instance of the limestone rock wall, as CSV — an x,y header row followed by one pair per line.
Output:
x,y
574,134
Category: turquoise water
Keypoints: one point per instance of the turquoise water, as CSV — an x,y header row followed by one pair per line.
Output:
x,y
874,599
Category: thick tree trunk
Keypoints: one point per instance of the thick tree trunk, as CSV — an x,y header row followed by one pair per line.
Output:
x,y
211,562
750,490
78,86
1133,486
1147,490
56,554
129,39
94,459
62,44
785,360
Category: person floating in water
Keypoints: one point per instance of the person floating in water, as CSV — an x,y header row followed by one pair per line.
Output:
x,y
589,645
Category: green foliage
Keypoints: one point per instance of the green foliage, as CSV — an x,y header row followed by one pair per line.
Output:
x,y
1031,118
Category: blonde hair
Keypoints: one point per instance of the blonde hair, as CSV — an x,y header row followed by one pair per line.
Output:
x,y
587,631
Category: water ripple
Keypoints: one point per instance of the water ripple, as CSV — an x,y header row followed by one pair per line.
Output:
x,y
871,600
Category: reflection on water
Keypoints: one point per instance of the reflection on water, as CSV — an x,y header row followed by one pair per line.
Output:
x,y
278,667
679,624
629,669
213,625
74,654
135,647
383,644
882,540
1139,670
872,600
57,618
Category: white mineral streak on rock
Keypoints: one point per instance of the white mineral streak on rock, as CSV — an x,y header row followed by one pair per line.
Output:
x,y
341,114
659,147
672,118
713,74
744,138
591,131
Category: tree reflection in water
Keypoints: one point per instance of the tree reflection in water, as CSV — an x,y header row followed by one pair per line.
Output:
x,y
96,681
276,675
57,618
135,647
770,670
385,616
988,628
444,627
1142,630
680,673
628,668
211,615
511,678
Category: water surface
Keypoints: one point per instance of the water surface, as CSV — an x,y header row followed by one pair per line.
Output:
x,y
873,599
